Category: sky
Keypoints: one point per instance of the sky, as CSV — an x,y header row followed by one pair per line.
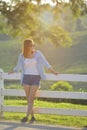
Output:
x,y
47,1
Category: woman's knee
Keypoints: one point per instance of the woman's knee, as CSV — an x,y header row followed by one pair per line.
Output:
x,y
31,99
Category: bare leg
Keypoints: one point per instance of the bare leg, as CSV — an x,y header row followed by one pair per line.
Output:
x,y
32,94
27,92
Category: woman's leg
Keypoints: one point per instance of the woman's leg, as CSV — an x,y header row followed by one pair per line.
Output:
x,y
32,94
27,92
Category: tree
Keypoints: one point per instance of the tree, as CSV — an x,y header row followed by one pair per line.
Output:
x,y
79,7
40,21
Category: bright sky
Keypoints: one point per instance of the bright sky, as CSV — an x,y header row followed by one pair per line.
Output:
x,y
47,1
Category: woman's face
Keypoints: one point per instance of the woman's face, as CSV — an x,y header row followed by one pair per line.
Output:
x,y
28,47
32,47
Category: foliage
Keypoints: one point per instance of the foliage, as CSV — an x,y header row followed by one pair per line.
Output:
x,y
82,90
40,21
37,21
3,25
78,7
61,86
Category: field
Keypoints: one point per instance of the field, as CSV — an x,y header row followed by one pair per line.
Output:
x,y
49,119
64,60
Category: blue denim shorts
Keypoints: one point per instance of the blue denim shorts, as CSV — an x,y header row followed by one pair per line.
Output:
x,y
31,80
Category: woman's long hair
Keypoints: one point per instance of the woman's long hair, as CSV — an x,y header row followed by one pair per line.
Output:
x,y
26,47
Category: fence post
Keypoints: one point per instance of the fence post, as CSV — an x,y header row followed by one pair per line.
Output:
x,y
1,92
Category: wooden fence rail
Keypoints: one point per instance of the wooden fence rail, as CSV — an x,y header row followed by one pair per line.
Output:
x,y
43,93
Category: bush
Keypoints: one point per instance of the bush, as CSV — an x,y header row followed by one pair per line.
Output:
x,y
61,86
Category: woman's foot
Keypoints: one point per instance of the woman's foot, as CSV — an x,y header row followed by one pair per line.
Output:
x,y
32,120
25,119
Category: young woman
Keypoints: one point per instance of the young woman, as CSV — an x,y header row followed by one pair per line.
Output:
x,y
31,63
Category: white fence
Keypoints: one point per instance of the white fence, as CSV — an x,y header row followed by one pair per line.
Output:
x,y
43,93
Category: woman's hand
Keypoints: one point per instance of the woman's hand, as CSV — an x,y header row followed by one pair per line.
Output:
x,y
53,71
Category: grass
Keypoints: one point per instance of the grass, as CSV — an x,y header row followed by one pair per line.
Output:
x,y
75,121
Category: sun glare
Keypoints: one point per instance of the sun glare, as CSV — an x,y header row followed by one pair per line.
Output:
x,y
45,1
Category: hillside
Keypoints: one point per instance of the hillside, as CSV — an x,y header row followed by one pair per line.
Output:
x,y
64,60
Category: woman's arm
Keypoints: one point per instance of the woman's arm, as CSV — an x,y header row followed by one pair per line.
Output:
x,y
48,66
17,67
52,71
44,60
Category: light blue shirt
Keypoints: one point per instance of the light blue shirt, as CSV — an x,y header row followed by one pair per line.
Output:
x,y
41,63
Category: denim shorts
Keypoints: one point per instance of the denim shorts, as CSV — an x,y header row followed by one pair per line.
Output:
x,y
31,80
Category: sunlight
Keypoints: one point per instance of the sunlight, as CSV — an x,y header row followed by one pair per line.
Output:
x,y
47,1
47,17
7,0
44,1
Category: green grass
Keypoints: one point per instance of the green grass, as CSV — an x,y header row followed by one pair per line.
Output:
x,y
46,118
